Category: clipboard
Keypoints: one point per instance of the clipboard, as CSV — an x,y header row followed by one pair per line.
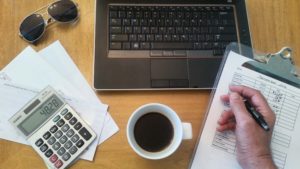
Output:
x,y
277,66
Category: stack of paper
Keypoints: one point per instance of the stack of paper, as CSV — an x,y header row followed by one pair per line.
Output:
x,y
30,72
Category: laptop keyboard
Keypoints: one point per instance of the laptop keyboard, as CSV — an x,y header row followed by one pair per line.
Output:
x,y
173,30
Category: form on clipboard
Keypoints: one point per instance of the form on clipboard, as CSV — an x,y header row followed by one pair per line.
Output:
x,y
275,75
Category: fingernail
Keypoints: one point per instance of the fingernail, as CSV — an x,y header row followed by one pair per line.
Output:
x,y
235,95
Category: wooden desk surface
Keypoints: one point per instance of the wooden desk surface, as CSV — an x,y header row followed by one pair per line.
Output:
x,y
273,24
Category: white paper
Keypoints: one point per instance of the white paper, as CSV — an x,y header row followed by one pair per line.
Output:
x,y
57,57
219,149
29,69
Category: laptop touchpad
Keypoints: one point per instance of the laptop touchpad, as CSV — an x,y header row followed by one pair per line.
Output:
x,y
169,69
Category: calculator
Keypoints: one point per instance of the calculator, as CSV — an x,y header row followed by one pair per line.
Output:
x,y
54,130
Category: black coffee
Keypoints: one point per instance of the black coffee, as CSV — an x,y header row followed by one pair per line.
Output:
x,y
153,132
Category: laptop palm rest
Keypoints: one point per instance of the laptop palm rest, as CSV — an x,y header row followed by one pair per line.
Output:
x,y
166,73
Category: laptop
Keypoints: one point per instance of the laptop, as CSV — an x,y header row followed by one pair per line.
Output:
x,y
164,44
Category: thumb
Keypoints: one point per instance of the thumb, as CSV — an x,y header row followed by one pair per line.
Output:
x,y
238,107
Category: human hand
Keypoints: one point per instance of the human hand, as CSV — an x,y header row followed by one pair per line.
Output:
x,y
253,142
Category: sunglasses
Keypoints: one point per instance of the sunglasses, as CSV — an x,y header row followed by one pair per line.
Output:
x,y
33,26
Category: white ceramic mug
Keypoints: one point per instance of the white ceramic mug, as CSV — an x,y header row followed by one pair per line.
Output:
x,y
182,131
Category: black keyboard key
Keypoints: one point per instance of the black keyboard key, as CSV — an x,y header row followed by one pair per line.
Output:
x,y
126,22
61,151
126,45
145,30
115,29
73,150
122,14
58,134
153,30
65,128
118,37
73,121
145,45
80,143
53,129
150,37
113,14
68,116
135,45
134,22
47,135
115,45
56,146
60,123
63,139
70,133
141,38
158,38
132,37
51,141
115,22
227,37
172,45
136,29
218,52
39,142
85,133
78,126
43,148
75,138
68,145
66,157
49,153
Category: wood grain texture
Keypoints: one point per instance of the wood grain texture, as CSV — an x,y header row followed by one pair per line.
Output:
x,y
273,24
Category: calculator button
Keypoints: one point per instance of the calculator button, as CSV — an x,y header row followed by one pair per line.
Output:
x,y
51,140
65,128
75,138
78,126
85,134
53,129
66,156
47,135
73,121
80,143
39,142
55,119
58,164
64,111
53,158
73,150
61,151
68,116
63,139
70,133
60,123
68,145
44,148
56,146
58,134
48,153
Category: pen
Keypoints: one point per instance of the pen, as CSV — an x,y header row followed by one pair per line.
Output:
x,y
257,116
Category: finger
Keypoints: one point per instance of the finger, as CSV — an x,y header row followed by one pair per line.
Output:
x,y
238,107
226,117
226,127
225,98
255,98
253,95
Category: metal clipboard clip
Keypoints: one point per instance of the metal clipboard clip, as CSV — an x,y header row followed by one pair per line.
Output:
x,y
278,65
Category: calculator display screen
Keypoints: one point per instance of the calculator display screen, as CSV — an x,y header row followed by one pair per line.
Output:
x,y
40,115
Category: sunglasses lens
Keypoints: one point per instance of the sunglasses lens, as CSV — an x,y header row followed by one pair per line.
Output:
x,y
32,27
63,11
